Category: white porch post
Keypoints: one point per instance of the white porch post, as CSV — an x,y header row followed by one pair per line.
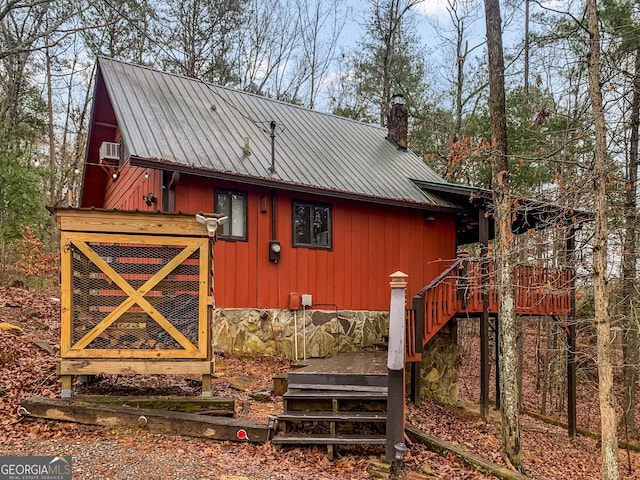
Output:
x,y
395,364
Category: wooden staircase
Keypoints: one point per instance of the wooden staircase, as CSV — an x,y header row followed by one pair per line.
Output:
x,y
336,401
343,400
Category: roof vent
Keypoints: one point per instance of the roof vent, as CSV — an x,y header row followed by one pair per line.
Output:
x,y
109,153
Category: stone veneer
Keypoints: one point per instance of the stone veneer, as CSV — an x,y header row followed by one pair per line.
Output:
x,y
272,331
440,362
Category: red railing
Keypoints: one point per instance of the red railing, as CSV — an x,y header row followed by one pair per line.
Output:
x,y
458,291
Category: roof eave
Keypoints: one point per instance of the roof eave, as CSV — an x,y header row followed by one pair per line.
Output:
x,y
163,164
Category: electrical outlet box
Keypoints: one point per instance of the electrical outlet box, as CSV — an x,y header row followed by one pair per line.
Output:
x,y
307,300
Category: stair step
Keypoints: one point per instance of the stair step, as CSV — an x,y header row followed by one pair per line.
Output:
x,y
344,388
322,439
319,416
331,394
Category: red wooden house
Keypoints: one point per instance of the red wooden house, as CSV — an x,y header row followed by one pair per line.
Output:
x,y
316,204
343,202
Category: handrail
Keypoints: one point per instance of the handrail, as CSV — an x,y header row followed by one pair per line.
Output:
x,y
539,291
441,277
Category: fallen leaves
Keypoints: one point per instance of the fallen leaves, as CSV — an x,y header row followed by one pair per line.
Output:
x,y
27,368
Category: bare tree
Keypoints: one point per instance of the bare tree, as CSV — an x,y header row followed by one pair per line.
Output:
x,y
321,23
199,37
462,16
120,29
600,294
22,25
266,46
507,332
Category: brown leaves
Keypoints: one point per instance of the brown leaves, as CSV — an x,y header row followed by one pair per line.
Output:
x,y
34,260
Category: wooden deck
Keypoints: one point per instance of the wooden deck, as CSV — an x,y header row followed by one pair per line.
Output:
x,y
353,371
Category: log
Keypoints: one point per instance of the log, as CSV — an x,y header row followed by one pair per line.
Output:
x,y
174,423
446,449
217,406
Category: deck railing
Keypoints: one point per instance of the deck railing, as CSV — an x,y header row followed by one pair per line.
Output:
x,y
458,291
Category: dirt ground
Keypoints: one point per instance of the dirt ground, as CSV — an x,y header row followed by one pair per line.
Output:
x,y
28,369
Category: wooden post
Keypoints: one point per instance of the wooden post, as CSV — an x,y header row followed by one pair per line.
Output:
x,y
571,338
395,366
483,234
207,391
416,367
67,386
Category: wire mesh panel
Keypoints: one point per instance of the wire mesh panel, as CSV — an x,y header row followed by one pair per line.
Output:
x,y
136,296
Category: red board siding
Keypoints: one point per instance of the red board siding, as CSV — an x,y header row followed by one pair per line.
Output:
x,y
369,243
126,191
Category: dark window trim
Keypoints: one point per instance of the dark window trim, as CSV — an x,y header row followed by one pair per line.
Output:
x,y
230,238
311,203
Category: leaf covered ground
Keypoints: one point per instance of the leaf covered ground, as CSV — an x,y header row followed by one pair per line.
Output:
x,y
27,368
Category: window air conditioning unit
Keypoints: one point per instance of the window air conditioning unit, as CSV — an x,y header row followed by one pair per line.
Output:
x,y
109,153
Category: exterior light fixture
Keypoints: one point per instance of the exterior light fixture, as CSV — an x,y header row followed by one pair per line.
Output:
x,y
430,218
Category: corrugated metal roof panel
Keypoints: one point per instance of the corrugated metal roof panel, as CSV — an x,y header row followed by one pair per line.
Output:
x,y
182,120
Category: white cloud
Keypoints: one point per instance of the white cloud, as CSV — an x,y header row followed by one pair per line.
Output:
x,y
436,8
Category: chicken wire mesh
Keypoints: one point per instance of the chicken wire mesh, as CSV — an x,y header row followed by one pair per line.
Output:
x,y
96,296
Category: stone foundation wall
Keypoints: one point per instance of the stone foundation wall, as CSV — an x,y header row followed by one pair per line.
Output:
x,y
325,333
440,362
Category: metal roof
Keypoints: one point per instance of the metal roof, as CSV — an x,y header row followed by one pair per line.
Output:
x,y
167,118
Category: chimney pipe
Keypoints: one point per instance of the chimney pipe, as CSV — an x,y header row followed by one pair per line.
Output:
x,y
398,121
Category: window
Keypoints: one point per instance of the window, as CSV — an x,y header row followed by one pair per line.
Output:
x,y
234,206
311,225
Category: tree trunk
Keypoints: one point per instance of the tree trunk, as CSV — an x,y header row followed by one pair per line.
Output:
x,y
526,48
601,301
631,342
504,239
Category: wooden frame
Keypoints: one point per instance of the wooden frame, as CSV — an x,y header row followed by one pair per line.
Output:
x,y
80,242
132,287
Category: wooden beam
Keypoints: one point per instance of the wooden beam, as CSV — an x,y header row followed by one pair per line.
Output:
x,y
174,423
148,367
416,367
447,449
217,406
484,317
140,223
571,339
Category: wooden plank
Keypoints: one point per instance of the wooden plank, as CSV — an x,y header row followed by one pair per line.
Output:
x,y
319,416
174,423
115,367
320,439
104,221
339,388
204,312
330,394
144,354
219,406
66,294
446,449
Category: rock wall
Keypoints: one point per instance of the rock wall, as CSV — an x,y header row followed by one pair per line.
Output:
x,y
322,333
440,362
